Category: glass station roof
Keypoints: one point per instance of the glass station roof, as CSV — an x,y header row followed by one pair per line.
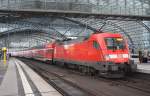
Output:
x,y
38,30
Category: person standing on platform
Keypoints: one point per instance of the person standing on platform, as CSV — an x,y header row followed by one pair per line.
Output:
x,y
148,55
140,56
0,55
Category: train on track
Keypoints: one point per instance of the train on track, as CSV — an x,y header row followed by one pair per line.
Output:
x,y
105,54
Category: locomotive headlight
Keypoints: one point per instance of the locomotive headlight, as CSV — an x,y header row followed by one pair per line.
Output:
x,y
114,56
110,56
125,56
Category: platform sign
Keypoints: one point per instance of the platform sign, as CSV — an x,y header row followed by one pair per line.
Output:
x,y
4,49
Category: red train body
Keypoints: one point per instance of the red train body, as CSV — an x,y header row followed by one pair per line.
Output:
x,y
105,53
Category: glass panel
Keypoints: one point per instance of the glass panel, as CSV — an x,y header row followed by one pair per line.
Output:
x,y
115,43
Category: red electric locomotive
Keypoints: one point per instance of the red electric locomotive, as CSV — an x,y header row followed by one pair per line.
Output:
x,y
104,53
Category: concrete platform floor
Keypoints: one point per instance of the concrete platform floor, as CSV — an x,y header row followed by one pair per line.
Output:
x,y
3,68
17,79
143,67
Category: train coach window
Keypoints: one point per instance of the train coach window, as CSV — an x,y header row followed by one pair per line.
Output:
x,y
96,45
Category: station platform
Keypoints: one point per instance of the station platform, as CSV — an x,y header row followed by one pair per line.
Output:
x,y
17,79
143,67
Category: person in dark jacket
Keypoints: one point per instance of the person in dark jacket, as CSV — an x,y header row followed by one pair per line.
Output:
x,y
140,56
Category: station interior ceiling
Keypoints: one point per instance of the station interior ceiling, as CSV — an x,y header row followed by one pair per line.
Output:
x,y
18,32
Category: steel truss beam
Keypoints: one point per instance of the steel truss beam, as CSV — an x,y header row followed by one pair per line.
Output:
x,y
71,14
81,22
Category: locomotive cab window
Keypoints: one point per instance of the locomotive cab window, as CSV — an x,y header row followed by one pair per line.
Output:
x,y
96,45
115,43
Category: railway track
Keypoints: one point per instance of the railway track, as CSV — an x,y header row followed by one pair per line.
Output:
x,y
63,86
139,83
128,82
92,85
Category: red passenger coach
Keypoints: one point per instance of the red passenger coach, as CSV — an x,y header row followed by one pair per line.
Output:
x,y
104,53
43,53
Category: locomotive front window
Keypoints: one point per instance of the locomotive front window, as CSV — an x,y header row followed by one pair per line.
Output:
x,y
115,43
